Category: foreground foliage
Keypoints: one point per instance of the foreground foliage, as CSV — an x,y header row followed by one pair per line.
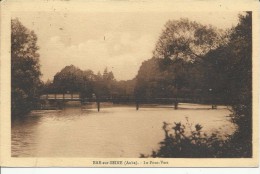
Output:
x,y
188,141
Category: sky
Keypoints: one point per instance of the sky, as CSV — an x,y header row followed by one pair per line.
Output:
x,y
120,41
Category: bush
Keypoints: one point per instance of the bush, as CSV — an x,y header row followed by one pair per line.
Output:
x,y
188,141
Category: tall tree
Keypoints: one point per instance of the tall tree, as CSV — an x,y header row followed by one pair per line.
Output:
x,y
25,68
187,40
180,50
241,81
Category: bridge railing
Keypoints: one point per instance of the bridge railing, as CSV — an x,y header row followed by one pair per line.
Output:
x,y
60,97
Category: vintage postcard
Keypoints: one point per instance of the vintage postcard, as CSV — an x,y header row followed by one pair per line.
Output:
x,y
129,83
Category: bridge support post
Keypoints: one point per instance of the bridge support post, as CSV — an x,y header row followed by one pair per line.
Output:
x,y
137,105
98,106
176,105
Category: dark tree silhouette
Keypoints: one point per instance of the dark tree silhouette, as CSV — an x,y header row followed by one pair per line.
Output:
x,y
25,68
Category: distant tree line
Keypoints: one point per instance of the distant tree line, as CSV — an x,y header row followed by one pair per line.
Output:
x,y
74,80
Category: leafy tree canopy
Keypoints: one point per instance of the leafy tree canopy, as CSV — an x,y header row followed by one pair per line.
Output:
x,y
25,77
187,40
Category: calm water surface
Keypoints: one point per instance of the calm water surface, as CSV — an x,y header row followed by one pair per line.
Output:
x,y
118,131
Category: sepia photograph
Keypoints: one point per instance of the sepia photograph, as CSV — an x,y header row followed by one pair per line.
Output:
x,y
131,84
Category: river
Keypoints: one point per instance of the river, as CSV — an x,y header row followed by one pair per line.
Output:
x,y
115,131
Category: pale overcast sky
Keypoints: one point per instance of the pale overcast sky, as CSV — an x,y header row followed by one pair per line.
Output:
x,y
119,41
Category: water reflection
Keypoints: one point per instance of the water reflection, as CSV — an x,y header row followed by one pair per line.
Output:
x,y
118,131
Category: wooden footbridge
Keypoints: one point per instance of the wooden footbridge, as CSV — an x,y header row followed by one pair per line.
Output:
x,y
63,97
117,100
